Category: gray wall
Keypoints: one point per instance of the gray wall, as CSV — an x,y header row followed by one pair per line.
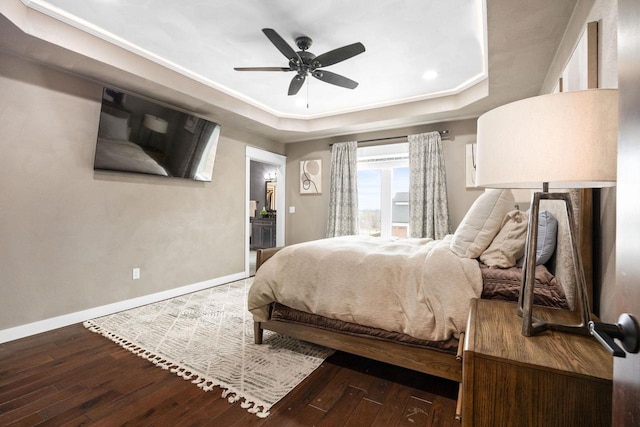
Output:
x,y
310,218
71,236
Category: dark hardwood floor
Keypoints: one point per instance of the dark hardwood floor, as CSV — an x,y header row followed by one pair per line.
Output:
x,y
71,376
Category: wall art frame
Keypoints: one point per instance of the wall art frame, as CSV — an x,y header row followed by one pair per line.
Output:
x,y
311,176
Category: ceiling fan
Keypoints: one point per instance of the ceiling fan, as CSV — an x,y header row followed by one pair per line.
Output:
x,y
305,63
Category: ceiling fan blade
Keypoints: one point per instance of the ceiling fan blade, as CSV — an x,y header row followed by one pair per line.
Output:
x,y
282,45
296,83
335,79
262,69
339,54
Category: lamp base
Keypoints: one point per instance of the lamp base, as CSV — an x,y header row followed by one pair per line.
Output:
x,y
577,321
538,325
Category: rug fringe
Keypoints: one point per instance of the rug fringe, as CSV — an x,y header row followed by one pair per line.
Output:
x,y
203,383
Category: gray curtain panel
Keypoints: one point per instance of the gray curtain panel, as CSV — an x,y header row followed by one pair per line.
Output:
x,y
343,196
428,208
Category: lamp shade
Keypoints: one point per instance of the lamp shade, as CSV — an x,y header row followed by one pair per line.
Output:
x,y
154,123
568,140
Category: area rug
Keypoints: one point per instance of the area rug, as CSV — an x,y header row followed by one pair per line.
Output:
x,y
207,337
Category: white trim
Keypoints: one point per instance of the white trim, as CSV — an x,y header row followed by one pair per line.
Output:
x,y
280,161
247,227
266,156
40,326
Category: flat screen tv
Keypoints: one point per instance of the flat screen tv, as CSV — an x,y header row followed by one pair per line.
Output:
x,y
137,135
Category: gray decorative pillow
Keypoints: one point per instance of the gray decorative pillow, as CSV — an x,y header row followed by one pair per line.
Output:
x,y
547,237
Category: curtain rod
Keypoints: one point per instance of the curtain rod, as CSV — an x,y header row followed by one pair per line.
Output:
x,y
445,134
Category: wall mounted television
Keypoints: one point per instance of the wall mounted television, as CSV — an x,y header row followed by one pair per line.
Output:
x,y
137,135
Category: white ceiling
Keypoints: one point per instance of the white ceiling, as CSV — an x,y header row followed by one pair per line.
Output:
x,y
485,56
207,39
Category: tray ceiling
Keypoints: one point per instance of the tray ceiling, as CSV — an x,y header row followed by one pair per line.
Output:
x,y
414,50
485,53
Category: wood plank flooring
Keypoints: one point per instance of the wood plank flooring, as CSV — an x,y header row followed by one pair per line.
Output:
x,y
73,377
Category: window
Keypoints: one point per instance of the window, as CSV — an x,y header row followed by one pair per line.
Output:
x,y
383,190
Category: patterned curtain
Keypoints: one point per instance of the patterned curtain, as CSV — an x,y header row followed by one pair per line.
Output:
x,y
343,197
428,209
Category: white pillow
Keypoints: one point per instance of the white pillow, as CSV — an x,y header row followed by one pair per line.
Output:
x,y
481,223
112,127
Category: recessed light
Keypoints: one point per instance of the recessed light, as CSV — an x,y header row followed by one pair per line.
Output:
x,y
430,75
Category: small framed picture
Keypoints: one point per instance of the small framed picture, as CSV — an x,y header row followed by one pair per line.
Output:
x,y
311,176
191,123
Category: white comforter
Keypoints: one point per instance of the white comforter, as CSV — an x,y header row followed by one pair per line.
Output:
x,y
413,286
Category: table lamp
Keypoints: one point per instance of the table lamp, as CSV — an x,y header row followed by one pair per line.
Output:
x,y
559,141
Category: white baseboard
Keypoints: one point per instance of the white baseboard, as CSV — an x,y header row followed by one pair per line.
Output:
x,y
29,329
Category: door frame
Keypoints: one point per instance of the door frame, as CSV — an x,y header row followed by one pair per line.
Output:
x,y
280,162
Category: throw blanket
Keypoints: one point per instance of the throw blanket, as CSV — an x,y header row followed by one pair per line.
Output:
x,y
413,286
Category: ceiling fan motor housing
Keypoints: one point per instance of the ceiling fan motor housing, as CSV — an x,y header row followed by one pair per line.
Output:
x,y
306,65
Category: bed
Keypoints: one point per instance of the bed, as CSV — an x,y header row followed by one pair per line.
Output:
x,y
419,325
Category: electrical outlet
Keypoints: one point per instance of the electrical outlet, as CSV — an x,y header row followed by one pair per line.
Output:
x,y
292,209
136,273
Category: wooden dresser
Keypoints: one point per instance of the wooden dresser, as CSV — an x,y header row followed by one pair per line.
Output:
x,y
551,379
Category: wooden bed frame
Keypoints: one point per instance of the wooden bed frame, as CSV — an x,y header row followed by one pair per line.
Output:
x,y
422,359
428,361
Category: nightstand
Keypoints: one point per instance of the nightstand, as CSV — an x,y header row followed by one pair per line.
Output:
x,y
551,379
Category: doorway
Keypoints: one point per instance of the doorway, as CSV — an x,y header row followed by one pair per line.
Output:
x,y
276,206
